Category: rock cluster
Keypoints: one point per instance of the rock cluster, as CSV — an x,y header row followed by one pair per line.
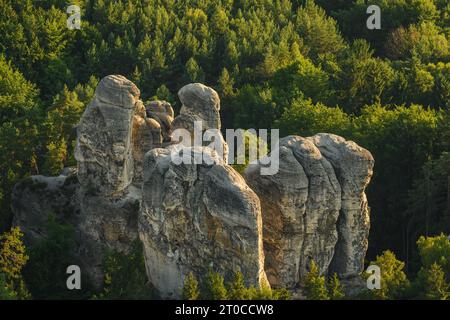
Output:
x,y
192,217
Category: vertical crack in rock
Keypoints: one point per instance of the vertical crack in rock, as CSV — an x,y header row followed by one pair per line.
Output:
x,y
353,166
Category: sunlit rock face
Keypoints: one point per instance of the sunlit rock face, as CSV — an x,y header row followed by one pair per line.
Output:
x,y
198,216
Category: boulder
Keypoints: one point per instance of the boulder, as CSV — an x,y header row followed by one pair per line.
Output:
x,y
161,112
196,217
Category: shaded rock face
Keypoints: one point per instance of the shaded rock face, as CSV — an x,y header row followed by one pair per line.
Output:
x,y
197,216
106,222
314,208
104,147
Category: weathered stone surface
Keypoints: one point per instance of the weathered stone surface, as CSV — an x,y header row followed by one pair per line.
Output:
x,y
99,222
353,166
198,216
104,148
146,134
300,205
106,222
199,103
162,112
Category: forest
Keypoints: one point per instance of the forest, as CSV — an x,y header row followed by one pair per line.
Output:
x,y
302,66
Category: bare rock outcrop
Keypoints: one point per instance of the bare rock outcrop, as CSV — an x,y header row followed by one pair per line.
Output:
x,y
314,208
194,216
198,216
300,206
104,147
35,198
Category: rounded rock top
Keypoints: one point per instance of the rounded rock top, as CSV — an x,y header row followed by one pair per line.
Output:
x,y
197,95
117,90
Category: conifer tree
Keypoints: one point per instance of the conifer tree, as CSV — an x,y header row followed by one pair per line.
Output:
x,y
13,258
190,289
335,289
315,285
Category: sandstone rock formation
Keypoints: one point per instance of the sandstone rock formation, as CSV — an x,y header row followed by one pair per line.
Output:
x,y
314,207
198,216
199,103
104,148
353,167
191,217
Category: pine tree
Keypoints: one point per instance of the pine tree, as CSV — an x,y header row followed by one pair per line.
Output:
x,y
5,292
13,258
281,294
214,287
56,157
436,287
315,288
190,289
237,289
335,289
226,84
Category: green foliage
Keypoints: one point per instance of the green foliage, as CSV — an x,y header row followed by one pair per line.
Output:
x,y
13,258
17,95
315,284
45,273
5,291
435,250
301,66
237,289
190,289
319,31
125,276
215,288
305,119
393,279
